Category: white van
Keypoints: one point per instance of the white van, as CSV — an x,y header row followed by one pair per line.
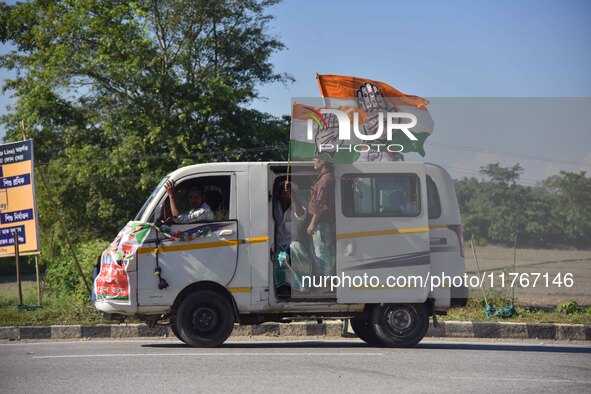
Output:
x,y
228,275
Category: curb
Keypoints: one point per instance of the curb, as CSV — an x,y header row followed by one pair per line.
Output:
x,y
550,331
450,329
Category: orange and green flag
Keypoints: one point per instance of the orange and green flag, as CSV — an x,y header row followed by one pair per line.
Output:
x,y
374,97
314,134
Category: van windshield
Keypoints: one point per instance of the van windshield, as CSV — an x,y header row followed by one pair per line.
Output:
x,y
150,198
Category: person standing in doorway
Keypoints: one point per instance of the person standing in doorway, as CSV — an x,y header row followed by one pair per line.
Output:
x,y
322,224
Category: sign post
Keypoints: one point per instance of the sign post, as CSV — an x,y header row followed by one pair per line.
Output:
x,y
38,280
18,269
19,233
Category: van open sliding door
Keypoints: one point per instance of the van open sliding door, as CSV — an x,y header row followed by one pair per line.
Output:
x,y
382,232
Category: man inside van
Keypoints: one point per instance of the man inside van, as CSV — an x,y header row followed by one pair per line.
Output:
x,y
200,210
322,224
286,208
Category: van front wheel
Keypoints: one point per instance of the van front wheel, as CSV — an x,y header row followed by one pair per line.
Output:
x,y
400,325
205,319
174,328
364,331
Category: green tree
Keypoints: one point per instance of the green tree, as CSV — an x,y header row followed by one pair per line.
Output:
x,y
542,221
555,213
116,94
571,206
502,175
474,224
503,201
493,210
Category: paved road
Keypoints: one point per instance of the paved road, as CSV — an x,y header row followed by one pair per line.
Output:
x,y
347,365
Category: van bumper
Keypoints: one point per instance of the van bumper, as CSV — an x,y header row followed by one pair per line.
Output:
x,y
109,308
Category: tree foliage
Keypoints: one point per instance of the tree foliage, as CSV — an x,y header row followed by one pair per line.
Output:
x,y
118,93
556,213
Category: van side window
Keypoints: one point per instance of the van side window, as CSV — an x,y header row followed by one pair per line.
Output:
x,y
433,203
215,190
387,195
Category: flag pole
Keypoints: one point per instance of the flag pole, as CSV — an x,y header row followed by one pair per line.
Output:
x,y
289,148
321,89
288,159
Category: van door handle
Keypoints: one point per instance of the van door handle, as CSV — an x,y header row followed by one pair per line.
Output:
x,y
438,241
223,233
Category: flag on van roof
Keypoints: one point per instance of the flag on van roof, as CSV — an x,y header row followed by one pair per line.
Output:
x,y
374,96
314,134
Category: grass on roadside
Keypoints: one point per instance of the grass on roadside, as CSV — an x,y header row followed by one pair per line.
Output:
x,y
474,311
55,311
50,315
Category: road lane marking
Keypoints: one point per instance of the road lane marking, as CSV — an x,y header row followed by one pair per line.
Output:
x,y
521,379
266,354
174,341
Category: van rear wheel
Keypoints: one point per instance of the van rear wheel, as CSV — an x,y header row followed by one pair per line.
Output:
x,y
205,319
400,325
364,331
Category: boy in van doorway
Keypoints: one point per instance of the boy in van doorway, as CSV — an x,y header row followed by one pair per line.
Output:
x,y
322,224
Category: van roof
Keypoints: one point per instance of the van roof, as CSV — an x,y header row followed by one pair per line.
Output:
x,y
242,166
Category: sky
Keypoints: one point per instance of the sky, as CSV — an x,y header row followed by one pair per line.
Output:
x,y
471,51
464,56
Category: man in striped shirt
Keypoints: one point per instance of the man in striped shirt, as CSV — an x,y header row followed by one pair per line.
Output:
x,y
200,211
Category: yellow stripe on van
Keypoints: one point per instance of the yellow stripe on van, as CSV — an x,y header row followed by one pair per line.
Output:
x,y
205,245
239,289
256,240
383,232
437,226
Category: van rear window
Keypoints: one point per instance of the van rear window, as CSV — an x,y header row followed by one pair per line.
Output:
x,y
433,203
387,195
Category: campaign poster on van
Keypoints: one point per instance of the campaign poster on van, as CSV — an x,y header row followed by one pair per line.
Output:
x,y
112,282
18,208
